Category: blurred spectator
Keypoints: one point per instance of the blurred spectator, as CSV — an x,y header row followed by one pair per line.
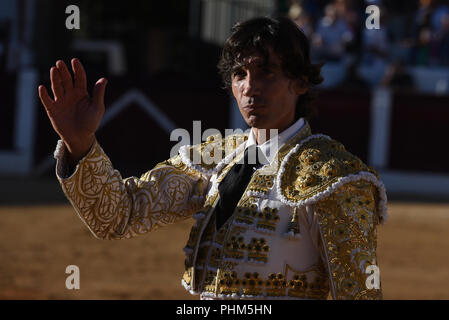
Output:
x,y
438,14
314,8
353,12
401,15
423,14
421,52
332,36
397,77
340,8
412,32
301,18
442,41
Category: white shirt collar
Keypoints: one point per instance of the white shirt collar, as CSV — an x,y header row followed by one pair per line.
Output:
x,y
271,147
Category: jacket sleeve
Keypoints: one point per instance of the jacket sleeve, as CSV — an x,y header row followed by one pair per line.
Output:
x,y
115,208
347,220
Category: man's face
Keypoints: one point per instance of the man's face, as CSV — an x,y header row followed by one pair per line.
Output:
x,y
265,96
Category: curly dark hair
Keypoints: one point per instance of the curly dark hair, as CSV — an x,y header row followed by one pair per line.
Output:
x,y
288,42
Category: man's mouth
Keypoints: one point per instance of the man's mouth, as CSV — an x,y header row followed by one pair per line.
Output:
x,y
251,107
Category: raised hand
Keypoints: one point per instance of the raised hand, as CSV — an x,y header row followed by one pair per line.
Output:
x,y
74,115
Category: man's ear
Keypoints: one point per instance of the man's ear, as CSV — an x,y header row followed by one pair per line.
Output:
x,y
301,85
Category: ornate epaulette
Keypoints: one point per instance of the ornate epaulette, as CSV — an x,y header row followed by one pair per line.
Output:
x,y
318,166
213,155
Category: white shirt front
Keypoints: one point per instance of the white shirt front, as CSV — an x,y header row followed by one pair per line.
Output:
x,y
270,148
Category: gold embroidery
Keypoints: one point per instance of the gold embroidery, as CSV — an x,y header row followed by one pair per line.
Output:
x,y
210,281
187,276
248,214
315,166
261,183
246,210
208,154
210,200
258,250
267,219
348,221
114,208
234,246
194,234
312,284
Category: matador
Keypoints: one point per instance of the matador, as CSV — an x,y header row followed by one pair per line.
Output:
x,y
304,224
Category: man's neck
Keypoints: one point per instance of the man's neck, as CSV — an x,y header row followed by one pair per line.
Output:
x,y
263,135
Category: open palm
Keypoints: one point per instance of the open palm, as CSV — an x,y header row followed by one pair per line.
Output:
x,y
74,115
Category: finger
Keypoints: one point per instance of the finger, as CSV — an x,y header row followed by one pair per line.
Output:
x,y
66,77
79,73
45,98
56,86
99,89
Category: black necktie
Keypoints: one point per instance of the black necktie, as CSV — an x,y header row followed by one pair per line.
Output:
x,y
234,184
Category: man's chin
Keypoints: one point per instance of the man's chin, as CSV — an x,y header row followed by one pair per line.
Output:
x,y
255,121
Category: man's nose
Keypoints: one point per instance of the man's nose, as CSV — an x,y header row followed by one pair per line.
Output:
x,y
251,86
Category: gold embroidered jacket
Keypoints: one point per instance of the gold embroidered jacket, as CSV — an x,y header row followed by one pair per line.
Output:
x,y
305,225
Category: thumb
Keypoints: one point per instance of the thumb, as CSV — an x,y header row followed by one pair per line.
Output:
x,y
99,89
